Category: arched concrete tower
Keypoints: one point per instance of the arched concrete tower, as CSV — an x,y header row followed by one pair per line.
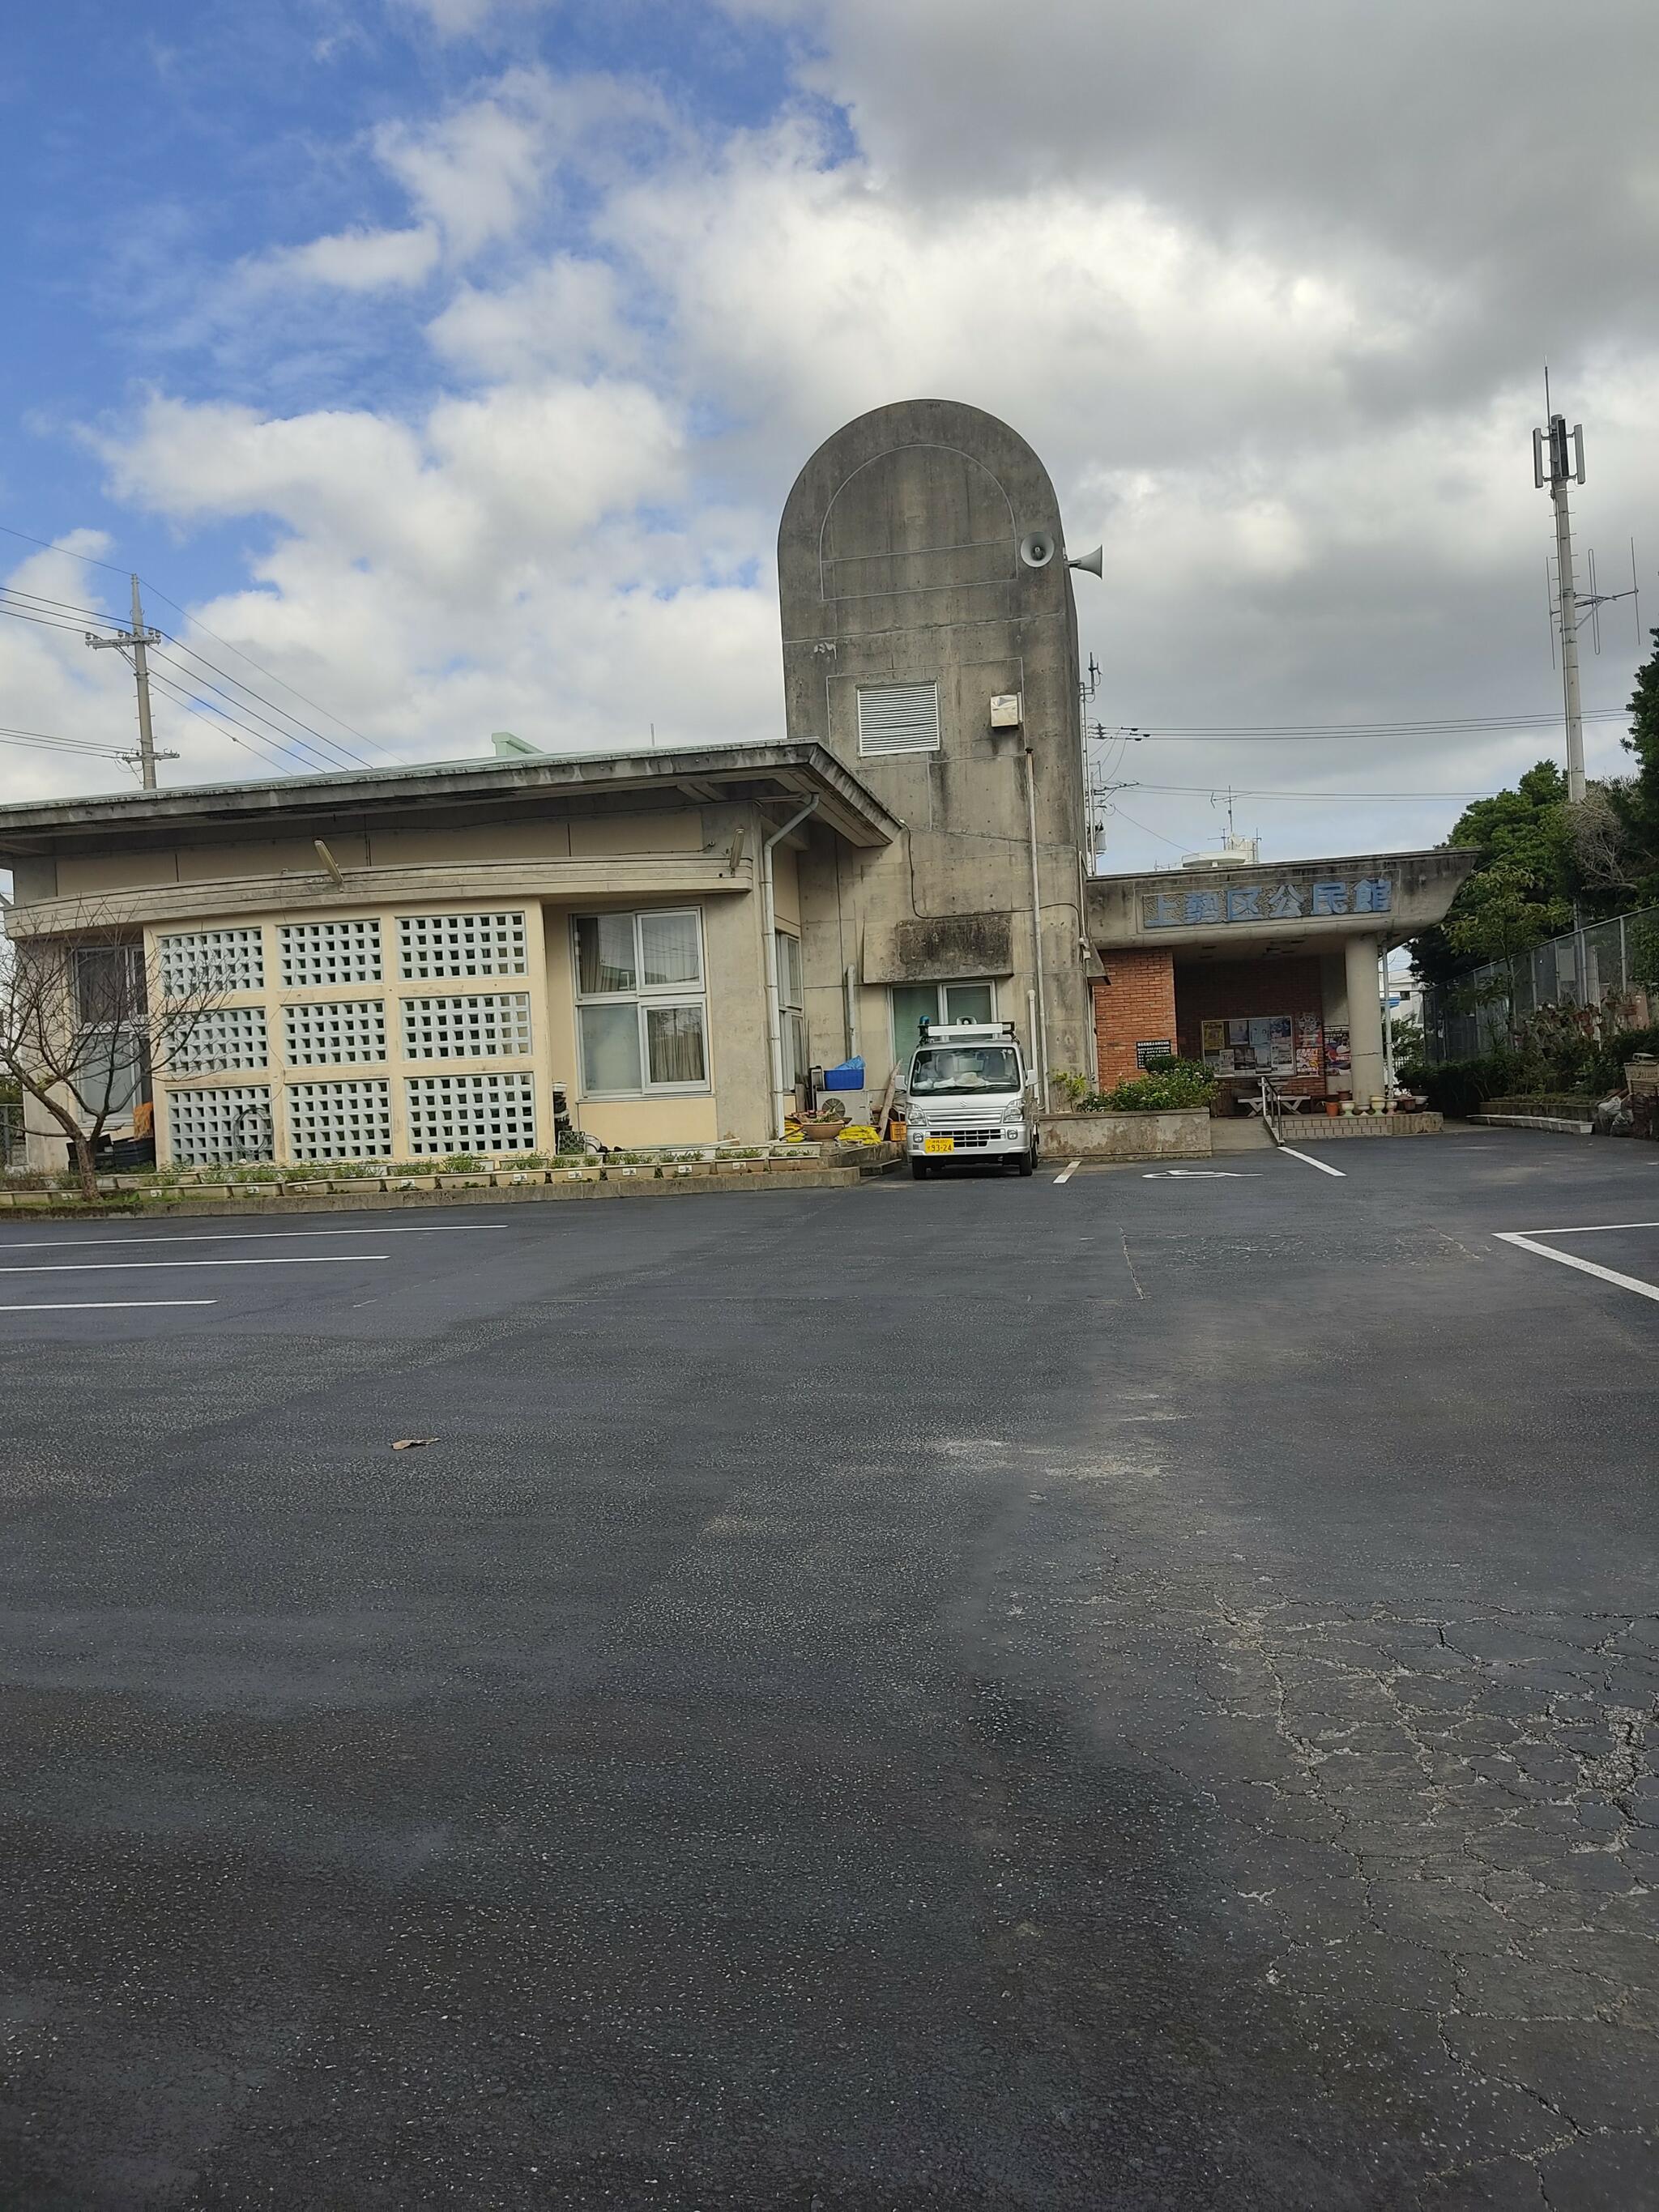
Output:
x,y
929,645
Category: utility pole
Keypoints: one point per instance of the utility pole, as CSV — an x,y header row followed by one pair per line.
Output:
x,y
137,638
1566,454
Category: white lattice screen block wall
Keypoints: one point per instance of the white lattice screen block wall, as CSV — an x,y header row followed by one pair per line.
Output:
x,y
225,1036
226,1122
461,945
211,959
334,1031
340,1121
490,1026
471,1113
330,952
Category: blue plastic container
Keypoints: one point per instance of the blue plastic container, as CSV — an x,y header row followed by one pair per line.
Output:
x,y
849,1076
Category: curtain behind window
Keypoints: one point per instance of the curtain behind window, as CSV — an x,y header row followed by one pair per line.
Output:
x,y
668,943
674,1044
605,952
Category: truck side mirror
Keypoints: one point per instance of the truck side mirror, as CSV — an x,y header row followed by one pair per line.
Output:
x,y
1031,1083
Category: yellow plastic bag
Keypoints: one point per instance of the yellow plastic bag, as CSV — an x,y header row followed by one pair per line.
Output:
x,y
858,1133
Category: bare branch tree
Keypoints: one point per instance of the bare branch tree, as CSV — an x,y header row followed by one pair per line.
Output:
x,y
84,1019
1601,845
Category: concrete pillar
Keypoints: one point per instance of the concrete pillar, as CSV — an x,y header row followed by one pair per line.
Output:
x,y
1364,1019
1334,1002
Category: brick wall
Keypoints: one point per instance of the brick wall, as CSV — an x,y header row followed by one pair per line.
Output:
x,y
1135,1004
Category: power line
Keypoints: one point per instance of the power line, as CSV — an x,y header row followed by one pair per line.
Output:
x,y
57,606
1254,791
280,736
47,742
215,717
68,551
271,677
47,622
196,621
1444,727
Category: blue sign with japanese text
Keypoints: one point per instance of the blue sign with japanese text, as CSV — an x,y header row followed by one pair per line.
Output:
x,y
1321,900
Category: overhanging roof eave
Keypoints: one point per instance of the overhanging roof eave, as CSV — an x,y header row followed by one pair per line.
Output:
x,y
701,775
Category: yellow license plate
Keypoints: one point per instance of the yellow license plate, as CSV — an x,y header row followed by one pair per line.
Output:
x,y
938,1144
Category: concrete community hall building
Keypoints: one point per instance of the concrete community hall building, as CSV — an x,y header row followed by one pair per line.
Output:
x,y
672,938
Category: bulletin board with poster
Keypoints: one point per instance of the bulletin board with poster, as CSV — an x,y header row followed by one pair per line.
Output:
x,y
1217,1053
1309,1045
1338,1059
1261,1044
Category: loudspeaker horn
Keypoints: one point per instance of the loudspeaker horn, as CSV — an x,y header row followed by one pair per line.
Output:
x,y
1037,548
1095,562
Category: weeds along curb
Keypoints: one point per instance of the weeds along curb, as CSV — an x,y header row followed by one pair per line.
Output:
x,y
640,1182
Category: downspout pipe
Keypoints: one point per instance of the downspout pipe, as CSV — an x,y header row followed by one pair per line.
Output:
x,y
1042,1038
774,1011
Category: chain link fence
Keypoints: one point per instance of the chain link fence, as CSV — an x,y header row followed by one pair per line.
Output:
x,y
1462,1020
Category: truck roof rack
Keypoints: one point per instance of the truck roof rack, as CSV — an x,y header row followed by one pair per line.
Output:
x,y
934,1032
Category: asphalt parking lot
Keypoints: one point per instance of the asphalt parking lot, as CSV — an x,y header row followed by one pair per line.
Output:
x,y
1135,1692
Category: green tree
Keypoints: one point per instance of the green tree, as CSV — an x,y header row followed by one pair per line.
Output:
x,y
1526,833
1636,798
1501,914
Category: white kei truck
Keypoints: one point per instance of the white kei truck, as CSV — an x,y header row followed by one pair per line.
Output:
x,y
968,1095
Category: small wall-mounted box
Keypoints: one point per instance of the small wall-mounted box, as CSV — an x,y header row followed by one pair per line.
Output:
x,y
1007,711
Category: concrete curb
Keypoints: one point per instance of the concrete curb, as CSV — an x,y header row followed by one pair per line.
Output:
x,y
1550,1121
613,1182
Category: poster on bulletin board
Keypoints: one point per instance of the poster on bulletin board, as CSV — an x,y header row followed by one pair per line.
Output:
x,y
1338,1059
1309,1045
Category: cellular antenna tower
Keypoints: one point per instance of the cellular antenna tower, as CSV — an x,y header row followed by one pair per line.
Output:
x,y
1558,459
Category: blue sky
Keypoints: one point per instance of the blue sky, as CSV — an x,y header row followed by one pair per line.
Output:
x,y
452,358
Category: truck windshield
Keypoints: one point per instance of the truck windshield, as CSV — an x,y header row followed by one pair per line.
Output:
x,y
947,1071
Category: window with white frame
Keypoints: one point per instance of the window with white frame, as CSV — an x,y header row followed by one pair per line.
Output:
x,y
792,1018
223,1036
473,1114
491,1025
898,718
210,960
315,952
461,945
936,1002
220,1125
348,1120
332,1032
640,1008
110,1000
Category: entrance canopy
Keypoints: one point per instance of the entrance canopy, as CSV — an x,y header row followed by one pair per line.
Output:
x,y
1301,906
1260,972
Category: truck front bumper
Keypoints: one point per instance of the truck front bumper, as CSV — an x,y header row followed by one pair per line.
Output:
x,y
969,1145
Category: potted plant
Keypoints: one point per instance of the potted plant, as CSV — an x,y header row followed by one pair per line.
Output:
x,y
826,1124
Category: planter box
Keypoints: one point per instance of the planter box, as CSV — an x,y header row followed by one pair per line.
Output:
x,y
1181,1133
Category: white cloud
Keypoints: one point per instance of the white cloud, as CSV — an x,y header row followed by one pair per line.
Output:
x,y
461,19
1207,278
567,315
353,260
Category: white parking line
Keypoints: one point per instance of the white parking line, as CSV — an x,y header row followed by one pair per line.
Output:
x,y
108,1305
248,1237
1594,1228
1068,1171
1584,1267
122,1267
1309,1161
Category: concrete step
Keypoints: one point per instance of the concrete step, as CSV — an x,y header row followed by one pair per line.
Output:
x,y
1240,1136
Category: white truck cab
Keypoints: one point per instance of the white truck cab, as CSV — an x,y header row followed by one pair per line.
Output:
x,y
969,1095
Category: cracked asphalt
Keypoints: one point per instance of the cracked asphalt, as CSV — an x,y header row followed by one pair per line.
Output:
x,y
1139,1694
